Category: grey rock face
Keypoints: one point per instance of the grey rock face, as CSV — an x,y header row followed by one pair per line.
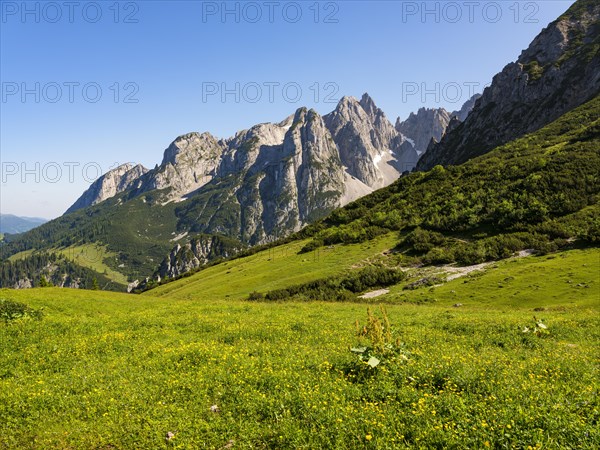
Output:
x,y
242,151
188,164
559,71
274,179
454,123
431,123
371,149
315,170
131,286
189,256
51,273
108,185
422,126
466,108
351,128
23,283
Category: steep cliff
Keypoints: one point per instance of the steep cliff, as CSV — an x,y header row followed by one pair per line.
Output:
x,y
559,71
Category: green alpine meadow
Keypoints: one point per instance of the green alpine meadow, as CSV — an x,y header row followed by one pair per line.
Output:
x,y
515,366
322,281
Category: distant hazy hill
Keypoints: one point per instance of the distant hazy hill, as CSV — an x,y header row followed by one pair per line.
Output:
x,y
14,224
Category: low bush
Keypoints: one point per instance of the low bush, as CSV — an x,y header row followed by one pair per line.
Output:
x,y
422,241
312,245
337,288
255,295
11,310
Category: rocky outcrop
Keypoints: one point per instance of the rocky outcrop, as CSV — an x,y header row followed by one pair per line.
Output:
x,y
314,174
370,147
189,256
422,126
52,274
273,179
188,164
452,125
431,123
246,147
23,283
108,185
466,108
559,71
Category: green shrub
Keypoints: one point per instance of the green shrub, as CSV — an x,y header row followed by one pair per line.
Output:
x,y
255,295
338,288
312,245
534,70
438,255
470,254
11,310
422,241
371,276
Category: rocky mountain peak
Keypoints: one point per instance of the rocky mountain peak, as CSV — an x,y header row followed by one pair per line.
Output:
x,y
108,185
318,177
367,103
422,126
310,137
559,71
189,147
370,148
248,146
188,163
577,26
262,134
358,114
348,108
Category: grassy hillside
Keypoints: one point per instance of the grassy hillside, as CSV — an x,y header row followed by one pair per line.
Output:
x,y
93,260
21,255
510,282
519,283
272,269
108,370
94,257
42,268
135,236
535,192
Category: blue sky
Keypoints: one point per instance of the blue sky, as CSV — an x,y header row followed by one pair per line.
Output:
x,y
90,85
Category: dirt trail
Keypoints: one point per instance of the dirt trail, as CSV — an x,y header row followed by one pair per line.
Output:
x,y
457,272
452,272
374,294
